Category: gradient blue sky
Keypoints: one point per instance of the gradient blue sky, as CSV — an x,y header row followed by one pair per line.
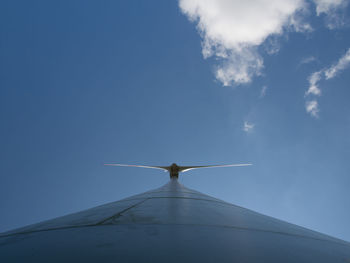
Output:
x,y
84,83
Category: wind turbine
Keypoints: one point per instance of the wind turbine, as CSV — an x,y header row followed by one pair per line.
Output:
x,y
174,169
170,224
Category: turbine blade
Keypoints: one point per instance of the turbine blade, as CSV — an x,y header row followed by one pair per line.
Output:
x,y
187,168
166,168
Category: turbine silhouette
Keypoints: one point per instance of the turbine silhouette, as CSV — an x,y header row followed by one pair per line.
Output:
x,y
175,169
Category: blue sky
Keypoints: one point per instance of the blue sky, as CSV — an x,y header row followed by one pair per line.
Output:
x,y
84,83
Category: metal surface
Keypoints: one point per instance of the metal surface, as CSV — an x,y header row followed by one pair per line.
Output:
x,y
169,224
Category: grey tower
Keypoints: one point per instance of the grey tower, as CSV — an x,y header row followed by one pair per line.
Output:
x,y
169,224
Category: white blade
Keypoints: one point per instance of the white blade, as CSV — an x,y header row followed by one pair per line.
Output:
x,y
166,168
187,168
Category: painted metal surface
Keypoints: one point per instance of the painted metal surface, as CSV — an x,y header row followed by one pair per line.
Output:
x,y
170,223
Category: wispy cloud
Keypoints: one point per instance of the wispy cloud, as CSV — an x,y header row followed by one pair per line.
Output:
x,y
263,91
307,60
233,30
312,108
327,6
248,127
313,80
332,9
342,63
327,73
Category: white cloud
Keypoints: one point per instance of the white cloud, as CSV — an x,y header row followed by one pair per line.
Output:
x,y
307,60
239,67
263,91
247,127
327,73
272,45
312,108
327,6
232,30
333,11
313,80
342,63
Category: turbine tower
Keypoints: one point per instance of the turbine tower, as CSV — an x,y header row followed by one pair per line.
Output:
x,y
170,224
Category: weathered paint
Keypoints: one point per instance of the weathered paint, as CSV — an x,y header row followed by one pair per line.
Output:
x,y
172,223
